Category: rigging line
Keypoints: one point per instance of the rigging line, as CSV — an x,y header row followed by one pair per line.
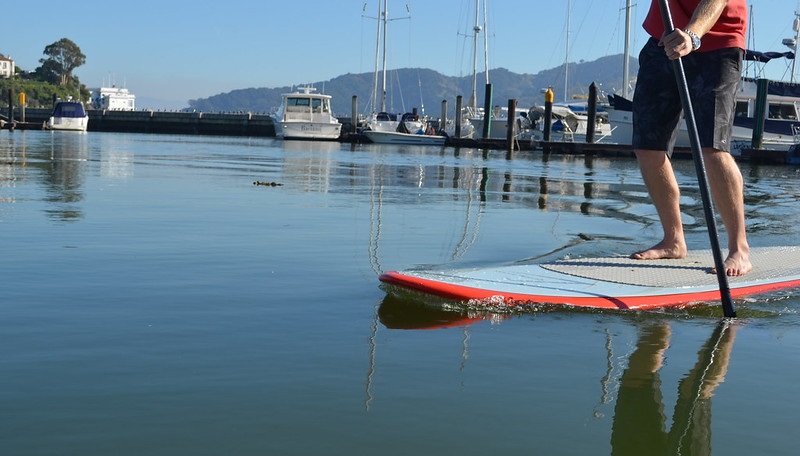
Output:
x,y
615,31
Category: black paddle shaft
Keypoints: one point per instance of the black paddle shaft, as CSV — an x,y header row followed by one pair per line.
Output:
x,y
697,153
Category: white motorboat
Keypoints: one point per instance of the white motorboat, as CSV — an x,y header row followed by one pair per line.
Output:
x,y
498,127
389,122
781,125
396,137
570,123
781,117
306,115
68,115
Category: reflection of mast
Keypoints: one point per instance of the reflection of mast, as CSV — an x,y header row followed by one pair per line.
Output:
x,y
608,379
464,352
372,348
375,220
467,240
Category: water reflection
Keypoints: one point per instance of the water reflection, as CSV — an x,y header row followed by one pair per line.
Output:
x,y
397,313
639,422
64,175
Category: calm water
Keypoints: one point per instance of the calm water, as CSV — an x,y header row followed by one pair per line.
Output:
x,y
154,301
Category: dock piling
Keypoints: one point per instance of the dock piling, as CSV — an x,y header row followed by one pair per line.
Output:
x,y
354,115
760,114
511,124
487,112
459,100
592,114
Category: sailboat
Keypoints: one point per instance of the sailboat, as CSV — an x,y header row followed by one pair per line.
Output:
x,y
389,128
498,116
570,118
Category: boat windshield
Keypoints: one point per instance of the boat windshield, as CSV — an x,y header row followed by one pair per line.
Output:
x,y
298,102
69,109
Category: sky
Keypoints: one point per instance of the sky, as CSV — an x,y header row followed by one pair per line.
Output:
x,y
167,52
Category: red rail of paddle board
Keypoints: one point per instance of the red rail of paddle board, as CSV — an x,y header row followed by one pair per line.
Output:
x,y
462,293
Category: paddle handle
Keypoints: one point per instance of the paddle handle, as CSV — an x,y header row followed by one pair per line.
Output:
x,y
697,153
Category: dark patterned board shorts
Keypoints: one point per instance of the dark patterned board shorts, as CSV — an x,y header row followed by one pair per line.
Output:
x,y
712,78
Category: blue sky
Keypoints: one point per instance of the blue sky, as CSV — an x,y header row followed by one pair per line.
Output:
x,y
169,51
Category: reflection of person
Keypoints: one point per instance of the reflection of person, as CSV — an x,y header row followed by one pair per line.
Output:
x,y
639,422
710,37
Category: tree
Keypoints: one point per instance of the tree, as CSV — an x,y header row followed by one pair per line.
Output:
x,y
64,57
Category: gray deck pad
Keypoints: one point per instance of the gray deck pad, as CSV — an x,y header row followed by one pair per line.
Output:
x,y
769,263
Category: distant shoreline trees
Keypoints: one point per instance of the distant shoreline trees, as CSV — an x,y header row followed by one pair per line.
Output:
x,y
54,78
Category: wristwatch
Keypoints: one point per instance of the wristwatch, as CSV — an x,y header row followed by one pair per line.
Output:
x,y
695,39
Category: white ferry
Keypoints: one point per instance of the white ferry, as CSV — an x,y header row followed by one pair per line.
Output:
x,y
113,99
306,115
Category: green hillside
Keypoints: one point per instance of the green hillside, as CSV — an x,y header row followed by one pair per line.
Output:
x,y
425,89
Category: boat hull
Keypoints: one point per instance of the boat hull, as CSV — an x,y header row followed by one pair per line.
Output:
x,y
309,130
741,136
67,123
393,137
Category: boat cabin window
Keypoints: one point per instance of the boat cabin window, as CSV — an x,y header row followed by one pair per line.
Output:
x,y
298,101
782,111
742,109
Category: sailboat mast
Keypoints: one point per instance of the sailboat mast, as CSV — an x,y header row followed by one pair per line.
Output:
x,y
374,100
566,57
475,31
385,19
485,45
625,57
796,27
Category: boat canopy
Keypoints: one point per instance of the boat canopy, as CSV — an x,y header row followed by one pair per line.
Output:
x,y
764,57
72,109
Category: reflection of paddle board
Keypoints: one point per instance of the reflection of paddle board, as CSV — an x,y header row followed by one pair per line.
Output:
x,y
615,283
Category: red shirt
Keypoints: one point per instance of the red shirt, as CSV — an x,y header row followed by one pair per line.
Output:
x,y
729,31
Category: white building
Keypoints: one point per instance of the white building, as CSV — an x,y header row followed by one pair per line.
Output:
x,y
6,67
113,98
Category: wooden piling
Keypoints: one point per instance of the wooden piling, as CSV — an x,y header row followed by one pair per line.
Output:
x,y
487,112
592,115
548,114
354,115
443,122
459,100
760,114
511,124
11,105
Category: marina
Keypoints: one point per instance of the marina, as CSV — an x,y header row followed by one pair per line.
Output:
x,y
158,300
287,278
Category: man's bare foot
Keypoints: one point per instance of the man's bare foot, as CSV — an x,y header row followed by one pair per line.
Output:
x,y
662,250
737,264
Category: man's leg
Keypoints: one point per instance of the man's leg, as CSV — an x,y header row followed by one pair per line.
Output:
x,y
664,191
725,180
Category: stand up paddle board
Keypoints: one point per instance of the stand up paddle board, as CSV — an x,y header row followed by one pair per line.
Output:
x,y
610,282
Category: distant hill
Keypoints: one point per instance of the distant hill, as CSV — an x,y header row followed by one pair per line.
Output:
x,y
419,88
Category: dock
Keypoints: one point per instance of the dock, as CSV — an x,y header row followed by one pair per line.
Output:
x,y
262,125
163,122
